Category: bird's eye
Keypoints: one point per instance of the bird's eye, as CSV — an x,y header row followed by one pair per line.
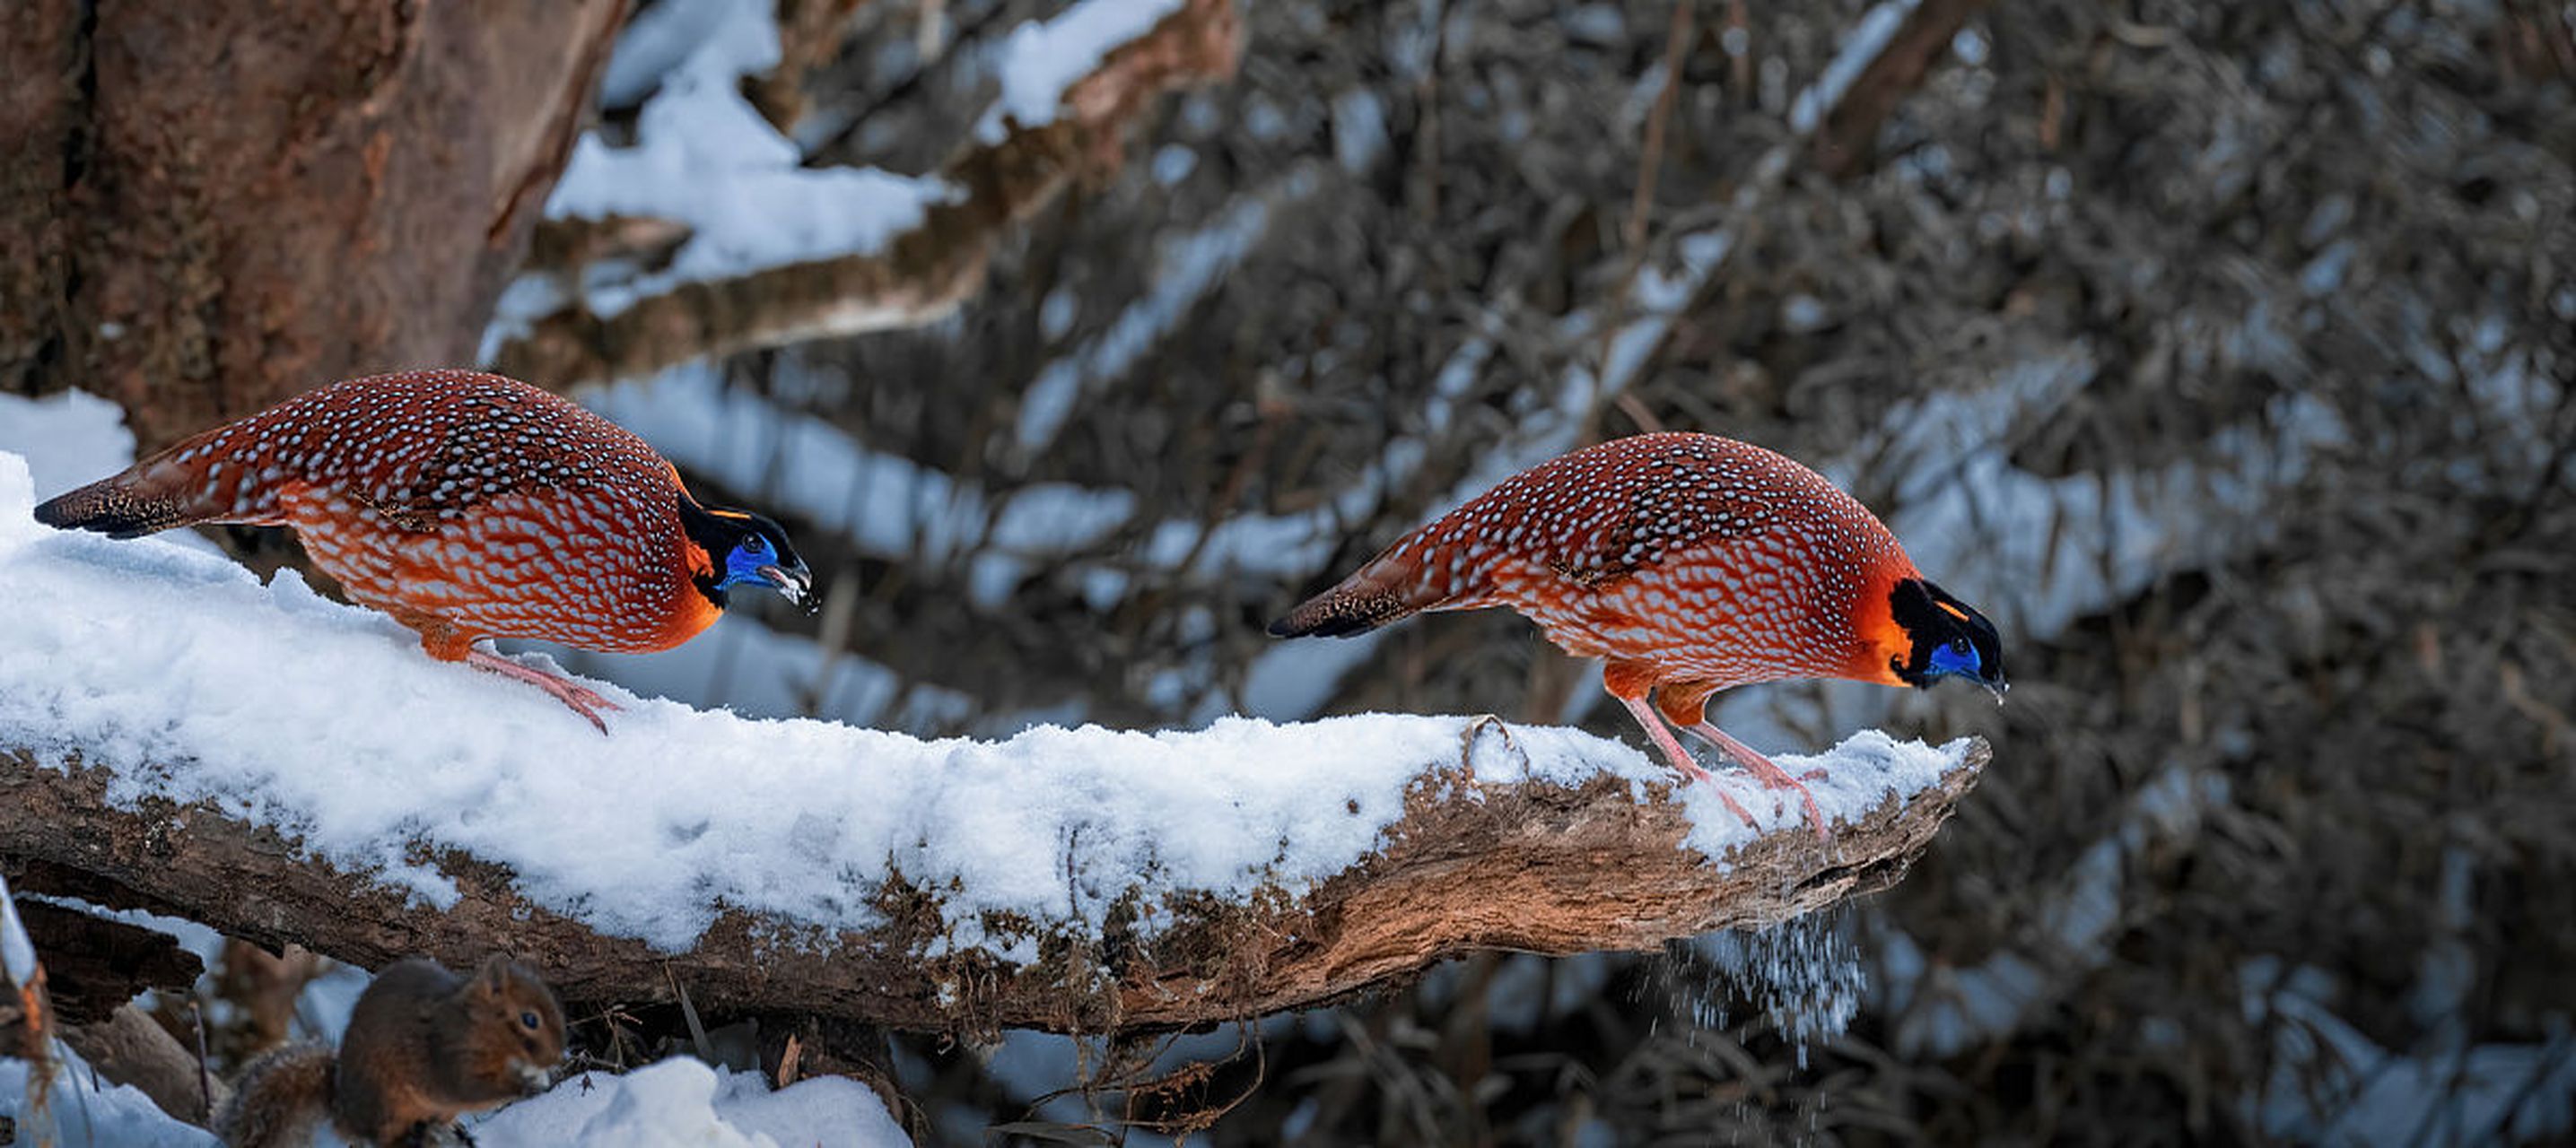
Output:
x,y
1959,646
755,546
529,1019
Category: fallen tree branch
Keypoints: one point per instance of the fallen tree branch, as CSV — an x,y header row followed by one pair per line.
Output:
x,y
1530,866
916,278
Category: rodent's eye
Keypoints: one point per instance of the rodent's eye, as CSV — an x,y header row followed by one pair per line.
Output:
x,y
529,1019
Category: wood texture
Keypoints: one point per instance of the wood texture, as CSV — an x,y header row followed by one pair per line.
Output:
x,y
228,203
1532,867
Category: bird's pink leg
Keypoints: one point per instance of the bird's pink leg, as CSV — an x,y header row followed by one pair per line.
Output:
x,y
581,700
1674,753
1762,769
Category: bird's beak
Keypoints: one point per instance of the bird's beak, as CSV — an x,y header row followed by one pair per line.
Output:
x,y
796,585
1997,689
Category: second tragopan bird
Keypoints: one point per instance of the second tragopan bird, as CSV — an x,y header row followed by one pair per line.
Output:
x,y
1689,563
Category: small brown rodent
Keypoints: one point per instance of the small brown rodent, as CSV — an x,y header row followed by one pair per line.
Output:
x,y
423,1047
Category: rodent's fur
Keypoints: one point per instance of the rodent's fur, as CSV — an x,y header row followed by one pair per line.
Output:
x,y
423,1047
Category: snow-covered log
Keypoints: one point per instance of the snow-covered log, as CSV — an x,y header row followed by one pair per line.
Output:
x,y
1530,865
178,737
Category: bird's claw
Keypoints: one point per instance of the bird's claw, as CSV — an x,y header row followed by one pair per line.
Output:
x,y
582,701
578,698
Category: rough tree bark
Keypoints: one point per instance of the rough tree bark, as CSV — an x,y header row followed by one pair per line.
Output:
x,y
224,204
1532,867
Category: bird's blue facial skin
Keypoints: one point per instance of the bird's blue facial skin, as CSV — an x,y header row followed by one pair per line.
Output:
x,y
743,565
1956,658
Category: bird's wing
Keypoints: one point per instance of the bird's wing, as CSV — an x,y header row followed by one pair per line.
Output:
x,y
1670,505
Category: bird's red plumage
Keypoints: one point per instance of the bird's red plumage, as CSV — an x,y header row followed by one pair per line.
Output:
x,y
1689,563
1707,560
464,504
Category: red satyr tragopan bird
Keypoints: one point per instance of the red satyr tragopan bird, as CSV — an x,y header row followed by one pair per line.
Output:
x,y
467,506
1689,563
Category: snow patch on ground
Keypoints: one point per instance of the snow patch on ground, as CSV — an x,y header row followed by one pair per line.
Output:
x,y
682,1103
87,1112
175,672
678,1103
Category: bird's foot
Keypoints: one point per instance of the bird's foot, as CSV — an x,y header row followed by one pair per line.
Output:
x,y
1769,774
1681,758
1691,771
578,698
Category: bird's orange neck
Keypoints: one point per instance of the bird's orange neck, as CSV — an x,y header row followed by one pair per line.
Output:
x,y
691,610
1883,643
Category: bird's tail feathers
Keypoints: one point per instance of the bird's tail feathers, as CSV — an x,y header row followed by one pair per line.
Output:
x,y
151,496
1388,589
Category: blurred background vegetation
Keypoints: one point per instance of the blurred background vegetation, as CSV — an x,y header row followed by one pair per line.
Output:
x,y
2222,352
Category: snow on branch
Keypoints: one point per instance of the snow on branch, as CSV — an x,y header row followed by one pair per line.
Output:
x,y
756,249
1882,60
282,768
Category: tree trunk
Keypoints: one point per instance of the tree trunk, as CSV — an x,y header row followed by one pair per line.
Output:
x,y
227,203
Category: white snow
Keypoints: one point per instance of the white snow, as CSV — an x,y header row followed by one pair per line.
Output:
x,y
17,953
2331,1083
1859,49
682,1103
888,505
175,671
1803,974
678,1103
68,438
1359,130
660,39
1041,60
759,672
704,156
1174,163
88,1113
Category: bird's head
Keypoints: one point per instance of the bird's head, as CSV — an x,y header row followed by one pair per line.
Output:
x,y
740,548
1936,636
